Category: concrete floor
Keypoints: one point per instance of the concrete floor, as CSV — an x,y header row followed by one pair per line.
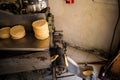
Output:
x,y
38,76
83,57
76,55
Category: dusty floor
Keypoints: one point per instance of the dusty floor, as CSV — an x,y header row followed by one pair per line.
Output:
x,y
76,55
38,76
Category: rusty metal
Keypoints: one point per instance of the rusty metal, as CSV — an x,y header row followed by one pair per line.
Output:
x,y
27,62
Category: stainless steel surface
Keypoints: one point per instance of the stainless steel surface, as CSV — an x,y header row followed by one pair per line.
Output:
x,y
33,6
28,43
28,62
7,19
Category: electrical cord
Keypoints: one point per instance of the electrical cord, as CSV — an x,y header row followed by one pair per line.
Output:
x,y
116,25
109,66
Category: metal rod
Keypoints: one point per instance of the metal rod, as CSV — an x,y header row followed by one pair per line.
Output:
x,y
66,76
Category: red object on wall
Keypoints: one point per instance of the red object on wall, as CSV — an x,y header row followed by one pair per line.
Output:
x,y
69,1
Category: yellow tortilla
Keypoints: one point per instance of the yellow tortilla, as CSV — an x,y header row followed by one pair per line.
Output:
x,y
5,32
17,32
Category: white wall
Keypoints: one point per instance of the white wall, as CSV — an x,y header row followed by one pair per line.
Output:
x,y
86,23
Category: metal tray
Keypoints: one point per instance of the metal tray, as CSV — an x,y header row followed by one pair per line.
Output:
x,y
10,20
28,43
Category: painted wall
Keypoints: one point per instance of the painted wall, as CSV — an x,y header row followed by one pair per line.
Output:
x,y
86,23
